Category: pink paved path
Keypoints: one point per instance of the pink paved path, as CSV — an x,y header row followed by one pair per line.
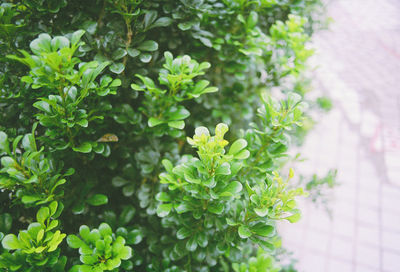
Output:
x,y
359,68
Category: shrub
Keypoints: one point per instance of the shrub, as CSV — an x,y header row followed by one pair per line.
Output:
x,y
96,102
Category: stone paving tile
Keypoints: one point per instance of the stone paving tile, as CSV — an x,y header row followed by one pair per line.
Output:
x,y
359,68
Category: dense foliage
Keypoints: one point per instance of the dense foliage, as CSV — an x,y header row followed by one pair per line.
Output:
x,y
97,99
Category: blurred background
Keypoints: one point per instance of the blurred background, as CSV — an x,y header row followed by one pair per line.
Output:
x,y
358,67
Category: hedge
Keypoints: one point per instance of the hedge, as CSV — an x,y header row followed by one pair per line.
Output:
x,y
151,135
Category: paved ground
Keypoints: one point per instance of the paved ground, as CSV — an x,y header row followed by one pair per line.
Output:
x,y
360,69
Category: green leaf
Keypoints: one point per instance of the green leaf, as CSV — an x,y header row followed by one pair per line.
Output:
x,y
85,147
42,215
119,54
179,114
244,232
117,68
185,26
201,239
215,207
5,222
163,196
119,181
182,208
293,218
97,200
28,199
76,36
232,189
4,144
41,44
128,190
237,146
74,242
164,209
242,155
182,233
154,122
167,165
149,18
266,246
145,58
53,207
148,45
135,237
125,253
262,229
161,22
59,42
11,242
133,52
191,244
78,208
223,169
252,20
116,83
105,229
177,124
263,211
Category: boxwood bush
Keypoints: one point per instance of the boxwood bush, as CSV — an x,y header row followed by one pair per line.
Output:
x,y
150,135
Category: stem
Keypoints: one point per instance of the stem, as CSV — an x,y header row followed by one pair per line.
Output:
x,y
100,20
62,94
128,41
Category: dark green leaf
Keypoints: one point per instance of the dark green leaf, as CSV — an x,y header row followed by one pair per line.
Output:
x,y
97,200
182,233
148,46
117,68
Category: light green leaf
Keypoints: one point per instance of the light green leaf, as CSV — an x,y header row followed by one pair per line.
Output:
x,y
232,189
177,124
154,122
27,199
167,165
244,232
237,146
10,242
164,209
42,215
223,169
293,218
263,211
105,229
163,196
4,144
85,147
74,242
